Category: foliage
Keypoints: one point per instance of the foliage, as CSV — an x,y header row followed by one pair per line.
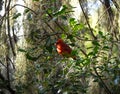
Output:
x,y
97,52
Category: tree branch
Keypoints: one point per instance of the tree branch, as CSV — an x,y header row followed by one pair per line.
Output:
x,y
8,28
91,31
103,84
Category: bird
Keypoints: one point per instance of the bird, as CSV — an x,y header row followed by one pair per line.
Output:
x,y
64,49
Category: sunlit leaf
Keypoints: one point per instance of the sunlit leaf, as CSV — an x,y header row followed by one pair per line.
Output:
x,y
78,27
61,11
72,21
63,36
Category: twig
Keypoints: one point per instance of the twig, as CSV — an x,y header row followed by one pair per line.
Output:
x,y
49,26
87,21
11,62
116,5
2,64
1,19
8,28
52,29
103,84
24,7
56,22
8,70
8,85
102,15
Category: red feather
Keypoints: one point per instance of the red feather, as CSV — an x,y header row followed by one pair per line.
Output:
x,y
64,49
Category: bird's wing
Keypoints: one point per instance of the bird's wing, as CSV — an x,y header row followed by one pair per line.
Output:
x,y
66,48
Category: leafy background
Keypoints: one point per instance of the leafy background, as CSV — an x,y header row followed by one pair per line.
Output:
x,y
94,37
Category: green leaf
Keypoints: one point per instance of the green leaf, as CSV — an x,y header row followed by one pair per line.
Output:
x,y
81,26
35,0
26,11
75,26
90,54
63,36
106,48
21,50
95,50
49,48
49,45
15,16
78,27
72,21
72,44
28,56
100,33
63,17
87,61
29,16
74,52
95,43
61,11
70,37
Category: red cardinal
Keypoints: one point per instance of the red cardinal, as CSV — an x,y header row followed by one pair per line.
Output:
x,y
63,49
